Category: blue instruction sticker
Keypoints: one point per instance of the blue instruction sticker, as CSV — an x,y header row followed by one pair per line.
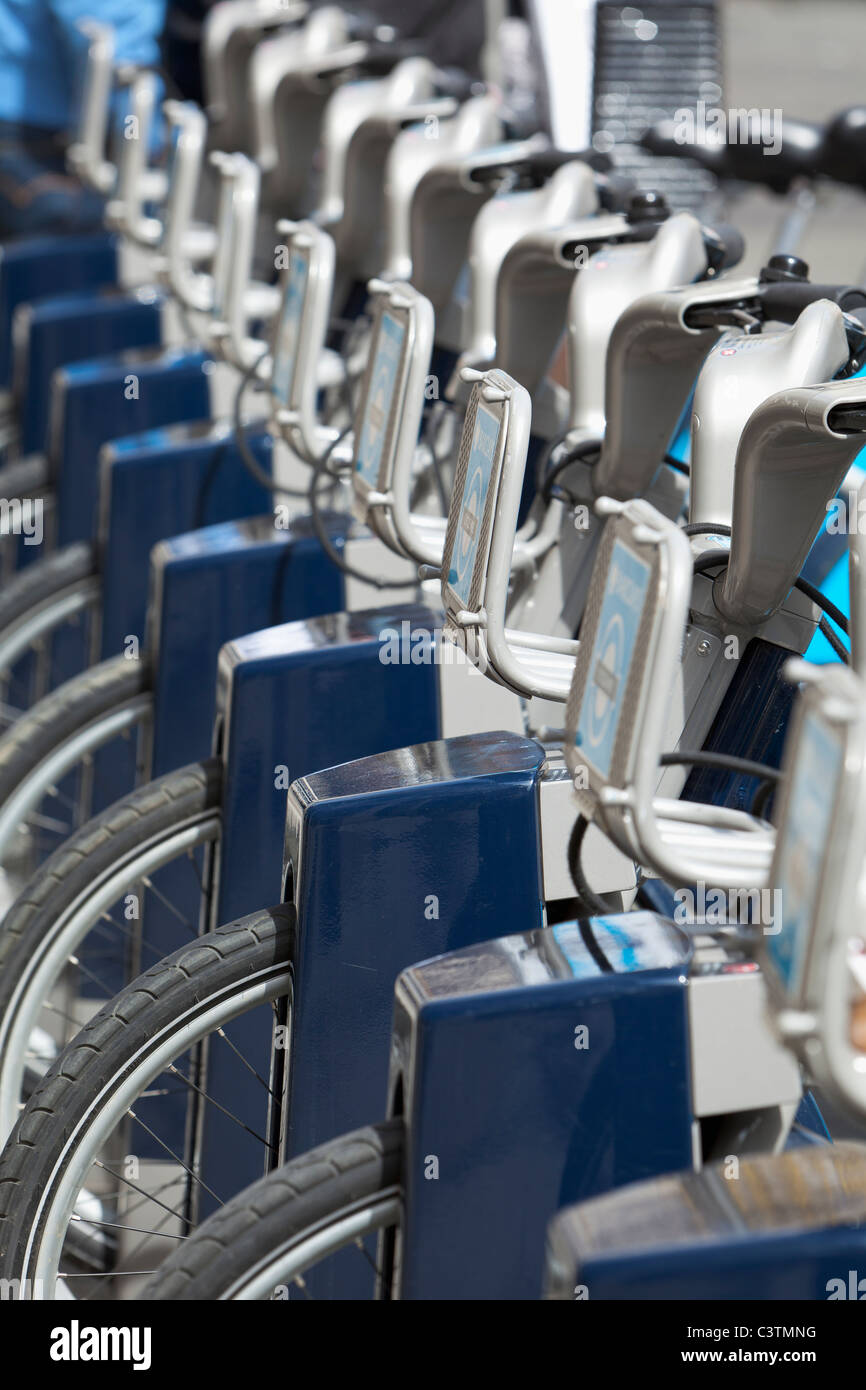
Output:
x,y
290,327
802,844
482,452
610,662
371,437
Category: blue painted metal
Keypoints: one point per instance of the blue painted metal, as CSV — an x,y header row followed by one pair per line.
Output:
x,y
213,585
159,484
100,400
401,856
300,697
207,587
42,266
783,1265
155,485
511,1112
73,328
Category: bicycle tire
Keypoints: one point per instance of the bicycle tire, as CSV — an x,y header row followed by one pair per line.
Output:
x,y
179,1001
249,1247
70,576
60,903
32,749
22,477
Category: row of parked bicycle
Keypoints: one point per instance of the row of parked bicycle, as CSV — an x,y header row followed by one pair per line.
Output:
x,y
330,582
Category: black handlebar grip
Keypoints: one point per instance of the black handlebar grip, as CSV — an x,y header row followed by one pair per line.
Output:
x,y
786,300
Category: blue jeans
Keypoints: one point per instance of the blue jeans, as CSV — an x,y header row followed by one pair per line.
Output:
x,y
37,195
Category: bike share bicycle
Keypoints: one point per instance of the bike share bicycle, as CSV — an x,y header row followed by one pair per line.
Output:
x,y
532,1089
503,652
340,776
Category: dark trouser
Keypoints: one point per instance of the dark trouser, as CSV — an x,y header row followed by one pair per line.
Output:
x,y
37,195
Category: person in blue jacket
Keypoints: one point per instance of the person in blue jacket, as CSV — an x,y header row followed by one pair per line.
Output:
x,y
42,54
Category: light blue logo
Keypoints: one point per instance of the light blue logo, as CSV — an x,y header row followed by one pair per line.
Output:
x,y
290,327
803,839
610,662
374,427
482,452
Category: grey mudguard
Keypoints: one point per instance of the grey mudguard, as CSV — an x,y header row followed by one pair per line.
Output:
x,y
532,293
445,203
361,122
569,193
228,35
741,371
653,360
604,289
790,462
346,112
290,81
413,154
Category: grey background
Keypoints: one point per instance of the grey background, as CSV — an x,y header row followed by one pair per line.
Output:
x,y
807,57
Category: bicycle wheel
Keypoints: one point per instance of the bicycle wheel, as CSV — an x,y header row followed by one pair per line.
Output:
x,y
61,591
66,919
271,1234
46,757
68,1208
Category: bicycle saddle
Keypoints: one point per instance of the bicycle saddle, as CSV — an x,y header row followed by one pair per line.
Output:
x,y
799,150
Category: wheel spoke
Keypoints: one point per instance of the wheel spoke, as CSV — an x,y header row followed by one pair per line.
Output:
x,y
97,1163
210,1100
185,1166
221,1033
166,902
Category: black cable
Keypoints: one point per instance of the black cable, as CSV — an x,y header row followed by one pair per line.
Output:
x,y
579,451
821,601
762,797
709,559
702,528
839,648
588,937
546,455
445,406
727,762
324,539
248,458
589,902
679,465
207,482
